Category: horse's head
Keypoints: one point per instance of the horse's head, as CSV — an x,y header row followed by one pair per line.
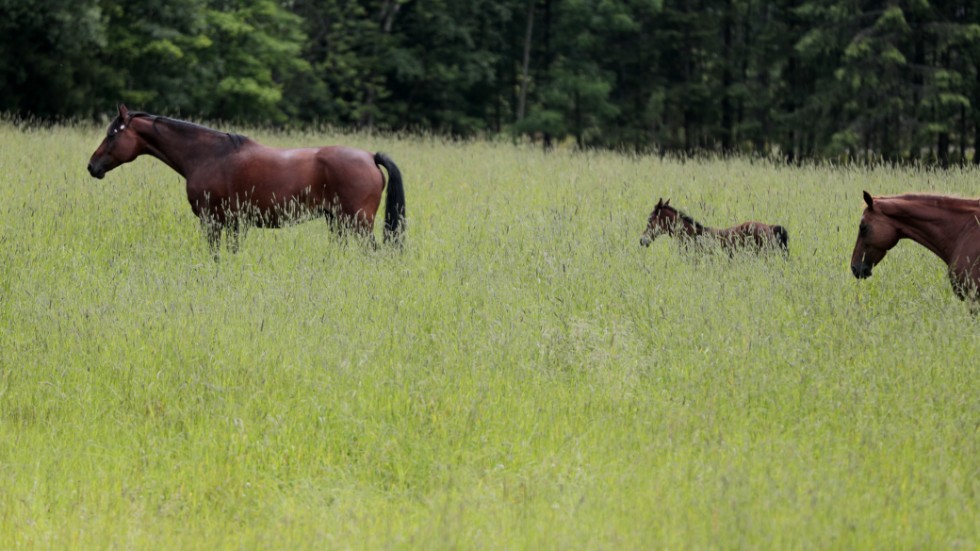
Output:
x,y
663,219
876,235
121,145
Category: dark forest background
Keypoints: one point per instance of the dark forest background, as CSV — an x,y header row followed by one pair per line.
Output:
x,y
843,80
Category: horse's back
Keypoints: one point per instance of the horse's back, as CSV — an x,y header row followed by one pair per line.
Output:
x,y
763,235
348,162
272,179
351,175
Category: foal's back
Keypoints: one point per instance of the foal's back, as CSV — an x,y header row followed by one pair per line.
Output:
x,y
756,235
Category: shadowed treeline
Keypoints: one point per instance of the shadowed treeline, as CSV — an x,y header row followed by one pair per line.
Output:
x,y
843,80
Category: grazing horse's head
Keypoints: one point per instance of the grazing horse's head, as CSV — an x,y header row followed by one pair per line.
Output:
x,y
663,219
120,145
876,234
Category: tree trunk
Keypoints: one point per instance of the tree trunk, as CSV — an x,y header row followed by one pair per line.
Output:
x,y
976,119
962,160
727,115
387,17
942,149
547,58
526,61
976,143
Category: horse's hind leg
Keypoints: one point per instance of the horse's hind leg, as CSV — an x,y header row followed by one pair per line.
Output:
x,y
347,226
363,228
334,216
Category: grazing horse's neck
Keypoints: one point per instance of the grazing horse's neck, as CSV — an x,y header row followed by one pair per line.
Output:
x,y
183,146
932,221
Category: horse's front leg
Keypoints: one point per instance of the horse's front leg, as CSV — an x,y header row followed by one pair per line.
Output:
x,y
965,279
211,217
237,229
212,232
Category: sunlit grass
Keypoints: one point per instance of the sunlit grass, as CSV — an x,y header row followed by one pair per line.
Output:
x,y
522,374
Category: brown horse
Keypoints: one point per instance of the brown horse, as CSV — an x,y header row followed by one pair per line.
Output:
x,y
947,226
754,236
234,182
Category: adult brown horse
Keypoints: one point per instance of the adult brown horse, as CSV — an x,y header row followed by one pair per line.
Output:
x,y
947,226
234,182
754,236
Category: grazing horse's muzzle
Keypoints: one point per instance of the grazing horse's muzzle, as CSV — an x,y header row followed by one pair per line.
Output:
x,y
96,170
861,270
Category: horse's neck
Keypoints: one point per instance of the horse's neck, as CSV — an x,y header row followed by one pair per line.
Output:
x,y
176,147
932,225
691,228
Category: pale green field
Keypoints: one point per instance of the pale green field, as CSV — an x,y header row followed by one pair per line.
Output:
x,y
522,375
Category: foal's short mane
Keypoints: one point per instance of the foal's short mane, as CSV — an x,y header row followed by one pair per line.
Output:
x,y
185,127
683,216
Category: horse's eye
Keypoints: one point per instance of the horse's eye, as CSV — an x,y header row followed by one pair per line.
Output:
x,y
863,229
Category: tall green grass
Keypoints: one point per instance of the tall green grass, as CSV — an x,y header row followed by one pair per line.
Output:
x,y
521,375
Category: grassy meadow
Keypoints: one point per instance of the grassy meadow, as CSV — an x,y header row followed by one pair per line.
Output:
x,y
521,375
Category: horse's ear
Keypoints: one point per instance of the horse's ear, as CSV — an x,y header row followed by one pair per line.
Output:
x,y
667,202
660,202
123,112
869,200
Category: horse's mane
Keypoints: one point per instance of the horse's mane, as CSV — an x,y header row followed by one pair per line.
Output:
x,y
947,201
683,216
185,127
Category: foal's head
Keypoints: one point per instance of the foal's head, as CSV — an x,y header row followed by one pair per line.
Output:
x,y
121,145
663,220
877,234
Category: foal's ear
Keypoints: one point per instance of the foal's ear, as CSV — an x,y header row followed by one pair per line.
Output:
x,y
660,203
667,202
869,200
123,112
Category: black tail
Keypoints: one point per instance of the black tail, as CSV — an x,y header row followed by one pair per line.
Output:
x,y
782,236
395,200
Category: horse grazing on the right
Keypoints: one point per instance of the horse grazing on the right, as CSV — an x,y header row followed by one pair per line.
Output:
x,y
947,226
752,236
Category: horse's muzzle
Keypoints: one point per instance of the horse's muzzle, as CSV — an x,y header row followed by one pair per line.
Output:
x,y
645,241
861,271
96,170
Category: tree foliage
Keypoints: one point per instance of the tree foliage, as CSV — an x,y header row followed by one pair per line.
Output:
x,y
842,79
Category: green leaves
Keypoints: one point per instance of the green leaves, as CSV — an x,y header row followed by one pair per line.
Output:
x,y
46,66
255,53
734,76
